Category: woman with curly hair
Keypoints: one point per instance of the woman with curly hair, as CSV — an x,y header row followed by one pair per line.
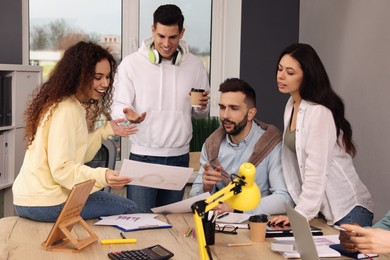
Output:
x,y
60,138
317,145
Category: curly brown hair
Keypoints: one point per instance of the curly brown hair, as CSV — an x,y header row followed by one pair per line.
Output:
x,y
75,72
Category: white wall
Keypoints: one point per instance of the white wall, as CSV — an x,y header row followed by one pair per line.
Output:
x,y
352,37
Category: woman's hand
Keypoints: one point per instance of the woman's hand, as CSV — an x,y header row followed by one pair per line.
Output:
x,y
115,181
123,130
345,238
366,240
280,221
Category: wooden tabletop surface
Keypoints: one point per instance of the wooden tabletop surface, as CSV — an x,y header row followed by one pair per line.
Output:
x,y
21,239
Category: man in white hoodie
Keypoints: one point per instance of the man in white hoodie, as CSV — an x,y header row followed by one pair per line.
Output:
x,y
152,88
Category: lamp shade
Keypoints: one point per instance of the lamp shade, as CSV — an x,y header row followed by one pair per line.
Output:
x,y
249,197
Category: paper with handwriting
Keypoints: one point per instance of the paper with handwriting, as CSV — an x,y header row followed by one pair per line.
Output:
x,y
133,222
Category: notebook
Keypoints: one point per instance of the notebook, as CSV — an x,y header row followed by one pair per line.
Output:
x,y
304,241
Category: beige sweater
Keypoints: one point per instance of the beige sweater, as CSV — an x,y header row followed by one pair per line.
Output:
x,y
54,162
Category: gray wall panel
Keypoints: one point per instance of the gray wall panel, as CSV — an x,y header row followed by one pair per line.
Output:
x,y
352,38
11,32
267,28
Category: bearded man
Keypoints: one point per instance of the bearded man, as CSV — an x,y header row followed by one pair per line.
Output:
x,y
242,138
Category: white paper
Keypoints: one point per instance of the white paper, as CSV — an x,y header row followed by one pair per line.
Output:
x,y
131,222
183,206
125,218
233,218
156,175
241,226
322,244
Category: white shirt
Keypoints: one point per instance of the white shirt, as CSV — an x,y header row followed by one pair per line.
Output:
x,y
330,182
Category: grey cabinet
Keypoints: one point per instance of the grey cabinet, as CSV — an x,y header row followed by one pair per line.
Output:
x,y
17,83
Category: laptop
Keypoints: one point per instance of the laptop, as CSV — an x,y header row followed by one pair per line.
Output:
x,y
304,241
286,231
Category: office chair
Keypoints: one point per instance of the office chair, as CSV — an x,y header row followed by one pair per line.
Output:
x,y
105,157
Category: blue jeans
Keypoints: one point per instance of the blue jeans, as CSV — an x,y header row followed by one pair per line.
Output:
x,y
358,215
147,198
99,204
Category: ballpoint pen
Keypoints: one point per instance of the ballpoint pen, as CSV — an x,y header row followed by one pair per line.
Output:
x,y
223,215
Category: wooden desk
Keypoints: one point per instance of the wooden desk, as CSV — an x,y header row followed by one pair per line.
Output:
x,y
21,239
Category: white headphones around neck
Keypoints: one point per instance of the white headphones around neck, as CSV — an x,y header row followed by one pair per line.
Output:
x,y
155,57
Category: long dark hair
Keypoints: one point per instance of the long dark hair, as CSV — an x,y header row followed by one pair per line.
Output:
x,y
74,72
316,88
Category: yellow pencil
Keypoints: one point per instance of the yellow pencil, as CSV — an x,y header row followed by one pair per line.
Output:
x,y
118,241
239,244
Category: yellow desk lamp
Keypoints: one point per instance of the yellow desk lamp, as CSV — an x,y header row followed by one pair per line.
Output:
x,y
241,194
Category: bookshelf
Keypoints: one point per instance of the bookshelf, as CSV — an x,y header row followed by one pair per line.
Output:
x,y
17,83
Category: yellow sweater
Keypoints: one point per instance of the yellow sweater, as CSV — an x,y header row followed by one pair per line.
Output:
x,y
54,162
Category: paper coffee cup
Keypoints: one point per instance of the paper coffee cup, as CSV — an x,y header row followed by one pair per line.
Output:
x,y
258,227
196,94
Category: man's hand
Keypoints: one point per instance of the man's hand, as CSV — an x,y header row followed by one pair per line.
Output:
x,y
133,116
222,208
204,100
210,177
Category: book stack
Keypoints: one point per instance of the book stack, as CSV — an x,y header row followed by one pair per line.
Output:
x,y
289,249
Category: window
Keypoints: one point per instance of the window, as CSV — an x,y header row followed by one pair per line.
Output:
x,y
122,24
57,24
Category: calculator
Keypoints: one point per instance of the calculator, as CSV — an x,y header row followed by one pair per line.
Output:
x,y
155,252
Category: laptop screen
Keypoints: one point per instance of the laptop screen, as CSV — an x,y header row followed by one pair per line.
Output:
x,y
302,234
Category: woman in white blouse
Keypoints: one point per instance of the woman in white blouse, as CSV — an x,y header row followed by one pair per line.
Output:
x,y
317,144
